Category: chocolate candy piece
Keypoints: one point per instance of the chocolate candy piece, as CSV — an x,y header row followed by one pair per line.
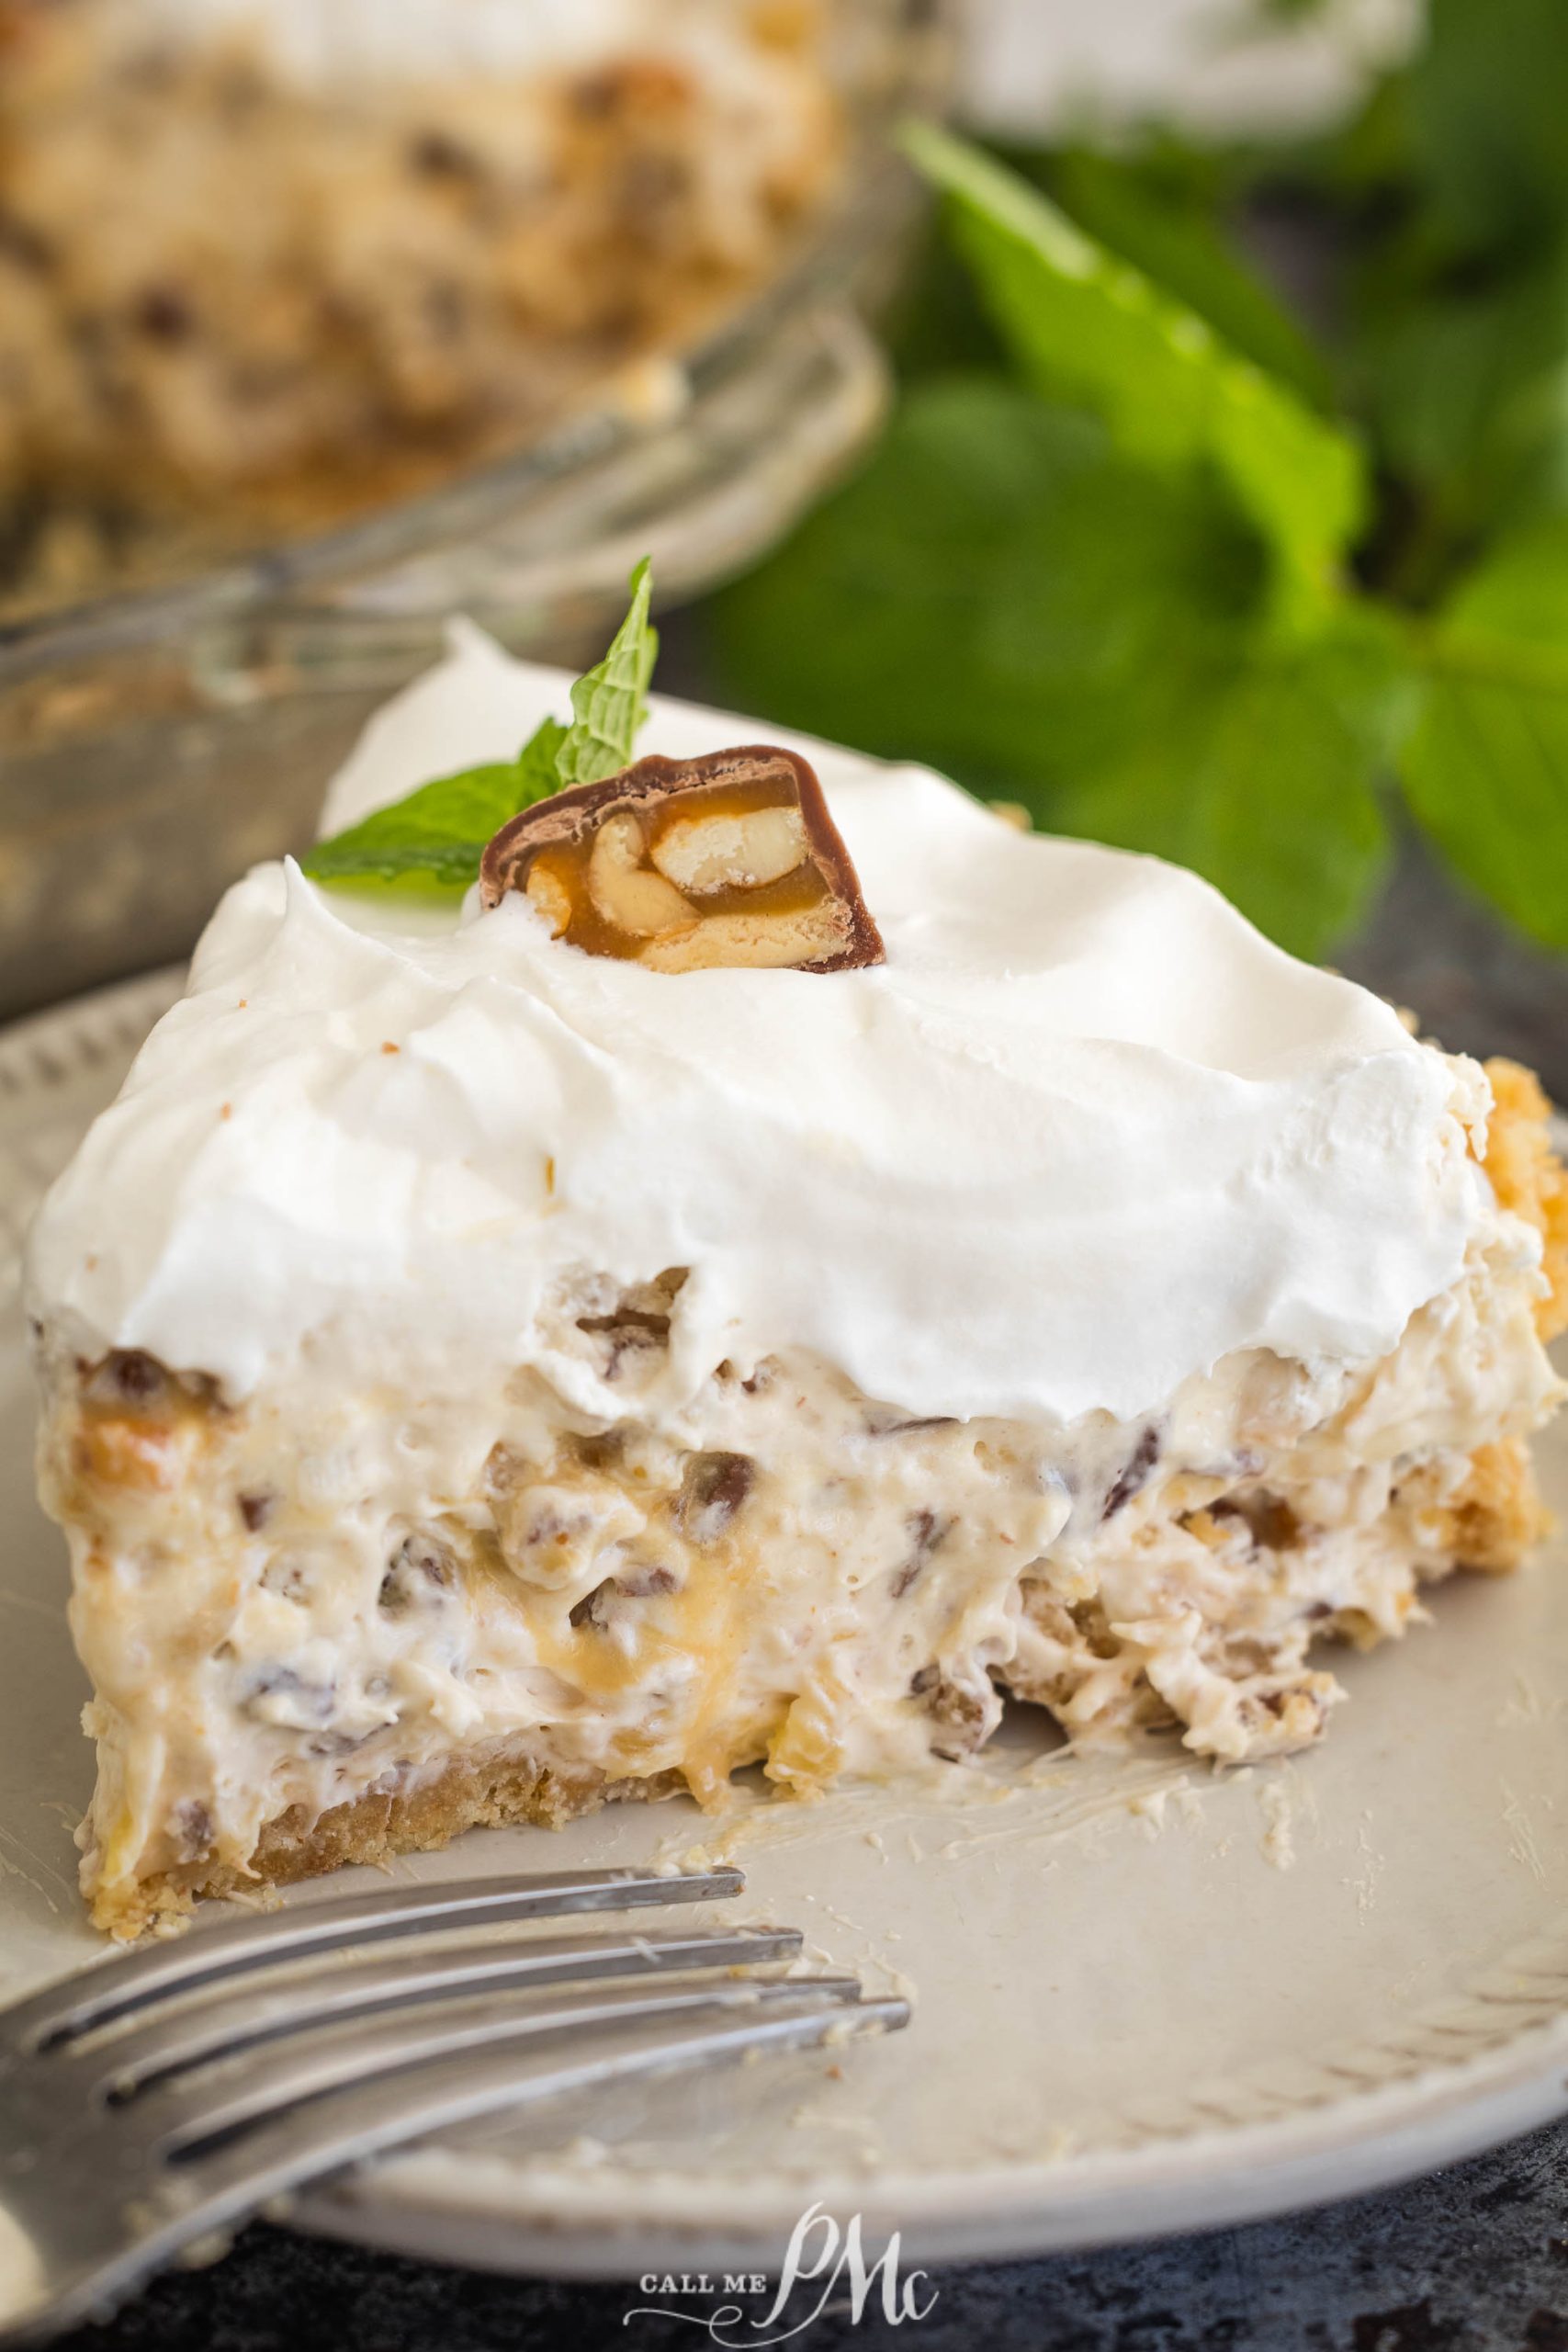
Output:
x,y
687,865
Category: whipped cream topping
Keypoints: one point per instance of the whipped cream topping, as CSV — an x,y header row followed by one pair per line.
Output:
x,y
1084,1134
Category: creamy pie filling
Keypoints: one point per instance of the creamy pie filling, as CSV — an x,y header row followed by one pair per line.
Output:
x,y
314,1597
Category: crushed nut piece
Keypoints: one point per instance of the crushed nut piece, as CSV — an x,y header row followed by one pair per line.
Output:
x,y
701,854
686,866
128,1377
963,1714
420,1569
597,1608
713,1490
927,1531
624,894
1137,1472
281,1695
193,1830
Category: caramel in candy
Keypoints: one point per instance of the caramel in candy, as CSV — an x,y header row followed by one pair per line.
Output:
x,y
688,864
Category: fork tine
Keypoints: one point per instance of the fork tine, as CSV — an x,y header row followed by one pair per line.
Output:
x,y
223,2185
219,2100
227,2022
138,1978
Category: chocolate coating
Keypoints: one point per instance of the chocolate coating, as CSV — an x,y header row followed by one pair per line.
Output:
x,y
570,818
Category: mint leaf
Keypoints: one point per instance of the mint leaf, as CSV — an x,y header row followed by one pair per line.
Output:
x,y
1148,213
1488,102
538,763
1486,768
611,701
1468,392
1161,207
999,592
1264,780
1091,329
433,841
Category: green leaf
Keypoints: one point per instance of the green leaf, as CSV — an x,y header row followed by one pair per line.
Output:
x,y
1093,330
1266,782
1004,595
538,763
1468,392
1162,207
998,593
611,702
1486,768
433,841
1488,112
1143,213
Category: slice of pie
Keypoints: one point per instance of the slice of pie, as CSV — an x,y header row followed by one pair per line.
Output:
x,y
507,1356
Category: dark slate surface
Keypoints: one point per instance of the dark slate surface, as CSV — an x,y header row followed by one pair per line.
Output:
x,y
1473,2260
1477,987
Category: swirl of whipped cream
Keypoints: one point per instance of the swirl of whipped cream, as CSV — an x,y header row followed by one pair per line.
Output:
x,y
1085,1134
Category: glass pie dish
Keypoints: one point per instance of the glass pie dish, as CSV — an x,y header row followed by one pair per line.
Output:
x,y
157,740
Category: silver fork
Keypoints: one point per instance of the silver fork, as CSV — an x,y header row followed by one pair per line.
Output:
x,y
172,2092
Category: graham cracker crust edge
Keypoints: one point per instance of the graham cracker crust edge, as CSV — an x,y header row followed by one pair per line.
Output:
x,y
496,1790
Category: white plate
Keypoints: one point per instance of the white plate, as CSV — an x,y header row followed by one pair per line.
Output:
x,y
1148,1997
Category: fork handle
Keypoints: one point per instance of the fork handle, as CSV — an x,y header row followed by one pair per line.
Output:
x,y
82,2253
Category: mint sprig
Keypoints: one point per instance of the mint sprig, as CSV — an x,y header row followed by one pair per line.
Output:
x,y
610,703
1087,327
433,839
1139,577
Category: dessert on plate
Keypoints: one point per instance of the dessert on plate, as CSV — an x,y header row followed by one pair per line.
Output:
x,y
264,263
754,1274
